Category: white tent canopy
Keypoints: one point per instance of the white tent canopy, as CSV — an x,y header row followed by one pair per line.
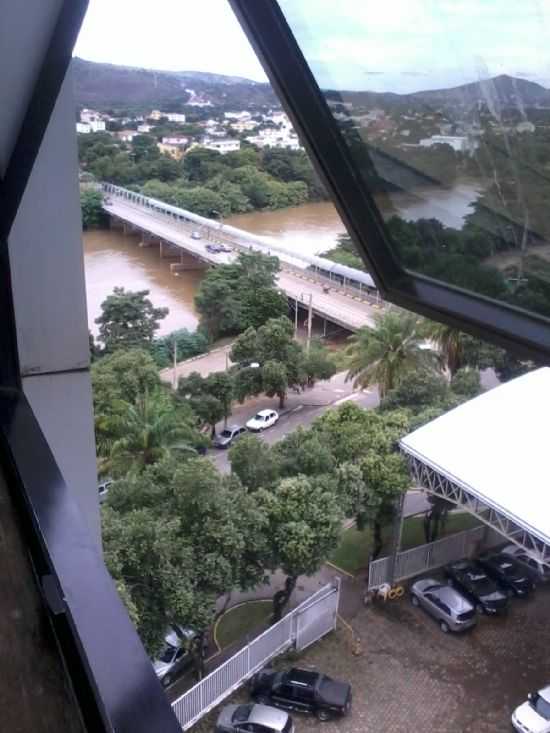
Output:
x,y
491,455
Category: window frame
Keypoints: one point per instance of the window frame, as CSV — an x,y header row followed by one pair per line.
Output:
x,y
523,333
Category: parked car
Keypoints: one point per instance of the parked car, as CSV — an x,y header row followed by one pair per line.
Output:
x,y
253,719
214,249
539,572
225,248
533,716
450,608
174,656
196,235
103,489
474,583
512,577
227,436
303,691
262,420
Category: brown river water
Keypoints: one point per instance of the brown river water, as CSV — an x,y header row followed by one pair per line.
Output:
x,y
112,259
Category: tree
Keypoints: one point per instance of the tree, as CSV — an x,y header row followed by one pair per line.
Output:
x,y
450,344
177,537
147,431
186,344
128,319
281,360
254,462
91,204
210,397
233,297
384,354
305,522
303,452
416,390
466,383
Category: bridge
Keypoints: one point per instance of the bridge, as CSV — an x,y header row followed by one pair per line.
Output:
x,y
340,295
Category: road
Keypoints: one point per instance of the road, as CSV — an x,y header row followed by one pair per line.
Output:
x,y
344,310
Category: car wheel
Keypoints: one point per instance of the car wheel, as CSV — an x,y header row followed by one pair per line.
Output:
x,y
323,715
444,627
166,681
415,601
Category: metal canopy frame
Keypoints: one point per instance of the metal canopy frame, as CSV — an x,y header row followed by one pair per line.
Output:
x,y
112,677
526,334
437,484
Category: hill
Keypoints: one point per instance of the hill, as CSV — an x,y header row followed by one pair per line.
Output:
x,y
510,91
103,86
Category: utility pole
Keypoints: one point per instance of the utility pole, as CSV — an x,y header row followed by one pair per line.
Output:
x,y
175,374
309,321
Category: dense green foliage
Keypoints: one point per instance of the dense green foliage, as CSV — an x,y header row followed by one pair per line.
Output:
x,y
128,320
186,344
210,397
232,298
205,180
384,354
281,363
91,204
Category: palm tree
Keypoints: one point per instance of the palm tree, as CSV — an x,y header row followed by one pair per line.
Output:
x,y
147,431
449,342
384,354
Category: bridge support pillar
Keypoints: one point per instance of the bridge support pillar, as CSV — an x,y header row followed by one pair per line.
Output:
x,y
145,240
187,262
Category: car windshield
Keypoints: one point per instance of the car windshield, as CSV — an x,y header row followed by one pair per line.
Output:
x,y
166,654
226,433
241,714
259,416
541,705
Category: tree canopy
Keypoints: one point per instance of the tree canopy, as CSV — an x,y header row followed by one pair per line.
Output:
x,y
128,320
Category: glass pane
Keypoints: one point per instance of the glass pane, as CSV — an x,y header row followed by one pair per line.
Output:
x,y
445,107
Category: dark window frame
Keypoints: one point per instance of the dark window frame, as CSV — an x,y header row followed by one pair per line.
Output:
x,y
507,326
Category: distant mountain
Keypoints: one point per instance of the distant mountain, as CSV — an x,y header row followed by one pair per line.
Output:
x,y
504,90
508,90
107,85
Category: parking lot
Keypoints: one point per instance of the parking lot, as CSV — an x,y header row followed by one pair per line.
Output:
x,y
412,677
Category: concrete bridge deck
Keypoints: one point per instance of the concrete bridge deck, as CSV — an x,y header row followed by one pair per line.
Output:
x,y
330,302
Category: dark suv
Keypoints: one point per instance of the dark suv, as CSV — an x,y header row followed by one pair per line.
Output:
x,y
303,691
512,577
473,582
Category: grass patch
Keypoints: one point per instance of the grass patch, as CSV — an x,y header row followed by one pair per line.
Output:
x,y
241,620
355,547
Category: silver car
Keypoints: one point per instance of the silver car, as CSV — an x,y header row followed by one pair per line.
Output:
x,y
539,572
445,604
253,718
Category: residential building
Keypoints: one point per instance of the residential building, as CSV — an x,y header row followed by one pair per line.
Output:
x,y
525,126
174,117
275,138
144,128
243,126
175,140
126,136
239,116
225,145
83,128
459,143
174,151
156,114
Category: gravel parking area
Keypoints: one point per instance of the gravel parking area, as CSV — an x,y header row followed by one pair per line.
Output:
x,y
410,676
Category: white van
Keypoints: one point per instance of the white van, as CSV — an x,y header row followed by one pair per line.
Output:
x,y
533,716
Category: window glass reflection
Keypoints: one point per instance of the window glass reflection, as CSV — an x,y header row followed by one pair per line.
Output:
x,y
445,107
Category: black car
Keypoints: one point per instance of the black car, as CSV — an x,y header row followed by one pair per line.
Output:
x,y
303,691
474,583
512,577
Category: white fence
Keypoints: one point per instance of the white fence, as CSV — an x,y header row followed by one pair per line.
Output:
x,y
311,620
433,555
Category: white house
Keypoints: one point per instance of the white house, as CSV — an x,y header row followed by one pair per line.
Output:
x,y
243,125
239,116
175,117
459,143
176,140
144,128
225,145
275,138
83,128
126,135
156,114
525,126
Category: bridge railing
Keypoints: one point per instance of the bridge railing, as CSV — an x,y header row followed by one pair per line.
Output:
x,y
329,274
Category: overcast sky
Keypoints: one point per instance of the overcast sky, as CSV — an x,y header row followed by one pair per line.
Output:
x,y
176,35
393,45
